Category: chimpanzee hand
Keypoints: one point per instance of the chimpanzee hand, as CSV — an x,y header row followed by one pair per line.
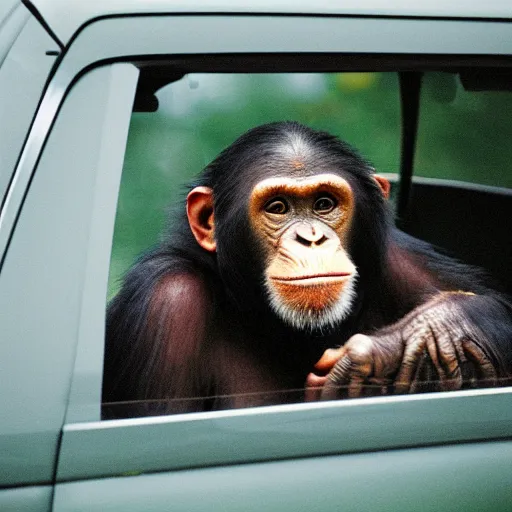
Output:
x,y
433,348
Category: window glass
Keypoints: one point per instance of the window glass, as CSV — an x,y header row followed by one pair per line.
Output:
x,y
463,134
197,117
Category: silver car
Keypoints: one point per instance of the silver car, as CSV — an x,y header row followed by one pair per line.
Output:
x,y
74,76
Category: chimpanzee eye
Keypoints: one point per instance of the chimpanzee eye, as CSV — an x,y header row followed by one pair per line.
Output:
x,y
278,206
324,204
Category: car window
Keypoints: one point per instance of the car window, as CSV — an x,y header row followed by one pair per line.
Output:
x,y
176,133
464,134
202,113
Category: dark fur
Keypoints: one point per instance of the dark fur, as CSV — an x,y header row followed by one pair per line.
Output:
x,y
189,324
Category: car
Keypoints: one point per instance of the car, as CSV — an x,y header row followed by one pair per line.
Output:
x,y
71,76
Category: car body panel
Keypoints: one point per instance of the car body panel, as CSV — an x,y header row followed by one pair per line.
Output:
x,y
27,499
24,69
414,480
65,19
54,263
13,16
93,450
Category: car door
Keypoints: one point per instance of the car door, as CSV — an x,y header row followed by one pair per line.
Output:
x,y
425,452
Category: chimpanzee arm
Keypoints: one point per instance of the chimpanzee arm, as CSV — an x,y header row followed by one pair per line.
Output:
x,y
453,341
155,342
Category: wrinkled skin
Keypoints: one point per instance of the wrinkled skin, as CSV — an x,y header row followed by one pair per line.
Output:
x,y
433,348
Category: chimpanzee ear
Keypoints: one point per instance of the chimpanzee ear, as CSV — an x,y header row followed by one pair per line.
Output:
x,y
384,185
200,217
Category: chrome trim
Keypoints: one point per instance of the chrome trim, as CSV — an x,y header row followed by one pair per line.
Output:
x,y
329,406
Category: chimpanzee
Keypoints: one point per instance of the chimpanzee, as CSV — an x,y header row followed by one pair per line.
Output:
x,y
284,279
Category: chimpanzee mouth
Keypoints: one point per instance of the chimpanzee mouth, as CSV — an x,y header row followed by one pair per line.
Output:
x,y
312,278
313,301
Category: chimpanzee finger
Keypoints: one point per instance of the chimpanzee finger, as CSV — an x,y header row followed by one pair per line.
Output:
x,y
421,381
356,385
313,387
378,386
329,358
337,378
484,367
443,348
412,355
360,349
352,368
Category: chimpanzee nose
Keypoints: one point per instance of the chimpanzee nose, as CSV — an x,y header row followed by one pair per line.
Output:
x,y
307,234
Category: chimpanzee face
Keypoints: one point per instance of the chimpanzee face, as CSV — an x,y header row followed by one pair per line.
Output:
x,y
302,226
300,203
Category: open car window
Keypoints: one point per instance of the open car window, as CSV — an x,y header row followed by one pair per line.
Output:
x,y
177,129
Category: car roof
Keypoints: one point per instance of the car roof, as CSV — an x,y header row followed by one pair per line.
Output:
x,y
64,17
